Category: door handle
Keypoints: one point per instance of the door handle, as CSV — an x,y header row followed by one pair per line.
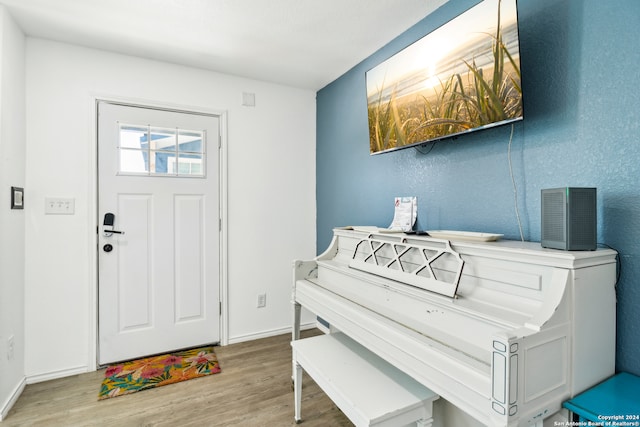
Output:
x,y
109,221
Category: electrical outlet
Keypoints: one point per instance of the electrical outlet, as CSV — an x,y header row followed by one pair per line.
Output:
x,y
10,346
262,300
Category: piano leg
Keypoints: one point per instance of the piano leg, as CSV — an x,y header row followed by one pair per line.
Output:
x,y
296,322
295,335
297,391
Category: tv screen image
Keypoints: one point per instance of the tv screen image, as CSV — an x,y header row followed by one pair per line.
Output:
x,y
462,77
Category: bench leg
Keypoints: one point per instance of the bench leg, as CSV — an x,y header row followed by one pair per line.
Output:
x,y
297,391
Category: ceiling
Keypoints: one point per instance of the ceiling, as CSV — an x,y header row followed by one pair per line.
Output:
x,y
301,43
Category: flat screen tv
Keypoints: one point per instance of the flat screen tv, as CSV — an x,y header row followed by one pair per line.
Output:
x,y
462,77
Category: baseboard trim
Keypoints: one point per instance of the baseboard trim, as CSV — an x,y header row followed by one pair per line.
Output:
x,y
32,379
269,333
6,407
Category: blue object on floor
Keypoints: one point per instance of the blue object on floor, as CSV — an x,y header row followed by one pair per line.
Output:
x,y
614,402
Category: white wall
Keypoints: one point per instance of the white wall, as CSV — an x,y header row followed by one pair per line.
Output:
x,y
12,222
270,177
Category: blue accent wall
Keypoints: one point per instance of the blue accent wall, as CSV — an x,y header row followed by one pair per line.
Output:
x,y
580,63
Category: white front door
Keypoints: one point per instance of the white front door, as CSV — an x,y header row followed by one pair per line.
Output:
x,y
158,244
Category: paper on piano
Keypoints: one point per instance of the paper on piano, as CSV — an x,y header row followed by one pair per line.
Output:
x,y
406,211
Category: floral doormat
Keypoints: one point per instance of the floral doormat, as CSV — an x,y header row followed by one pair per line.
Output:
x,y
129,377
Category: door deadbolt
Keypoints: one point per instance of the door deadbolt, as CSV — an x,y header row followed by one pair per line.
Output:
x,y
107,248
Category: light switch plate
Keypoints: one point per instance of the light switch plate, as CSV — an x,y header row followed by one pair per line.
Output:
x,y
59,206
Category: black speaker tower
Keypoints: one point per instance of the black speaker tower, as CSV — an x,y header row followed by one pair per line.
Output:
x,y
569,219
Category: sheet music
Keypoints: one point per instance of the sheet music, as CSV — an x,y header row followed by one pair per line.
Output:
x,y
405,214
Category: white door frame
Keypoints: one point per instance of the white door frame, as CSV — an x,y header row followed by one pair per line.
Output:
x,y
94,221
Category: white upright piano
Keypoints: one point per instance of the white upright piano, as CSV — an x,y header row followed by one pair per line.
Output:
x,y
504,330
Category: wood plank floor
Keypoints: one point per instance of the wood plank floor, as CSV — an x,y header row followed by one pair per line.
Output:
x,y
253,389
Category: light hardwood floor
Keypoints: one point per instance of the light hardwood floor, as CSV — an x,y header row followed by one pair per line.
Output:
x,y
253,389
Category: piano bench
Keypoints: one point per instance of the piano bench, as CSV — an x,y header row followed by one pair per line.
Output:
x,y
368,390
613,402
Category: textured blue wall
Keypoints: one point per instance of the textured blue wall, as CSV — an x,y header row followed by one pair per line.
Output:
x,y
580,62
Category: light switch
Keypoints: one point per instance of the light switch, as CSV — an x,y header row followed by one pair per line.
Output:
x,y
59,206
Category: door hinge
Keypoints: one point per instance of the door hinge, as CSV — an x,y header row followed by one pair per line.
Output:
x,y
219,308
219,141
219,224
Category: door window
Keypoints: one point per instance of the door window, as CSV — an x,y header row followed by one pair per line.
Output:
x,y
156,151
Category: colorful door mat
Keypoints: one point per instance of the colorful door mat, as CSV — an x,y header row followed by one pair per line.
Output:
x,y
156,371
